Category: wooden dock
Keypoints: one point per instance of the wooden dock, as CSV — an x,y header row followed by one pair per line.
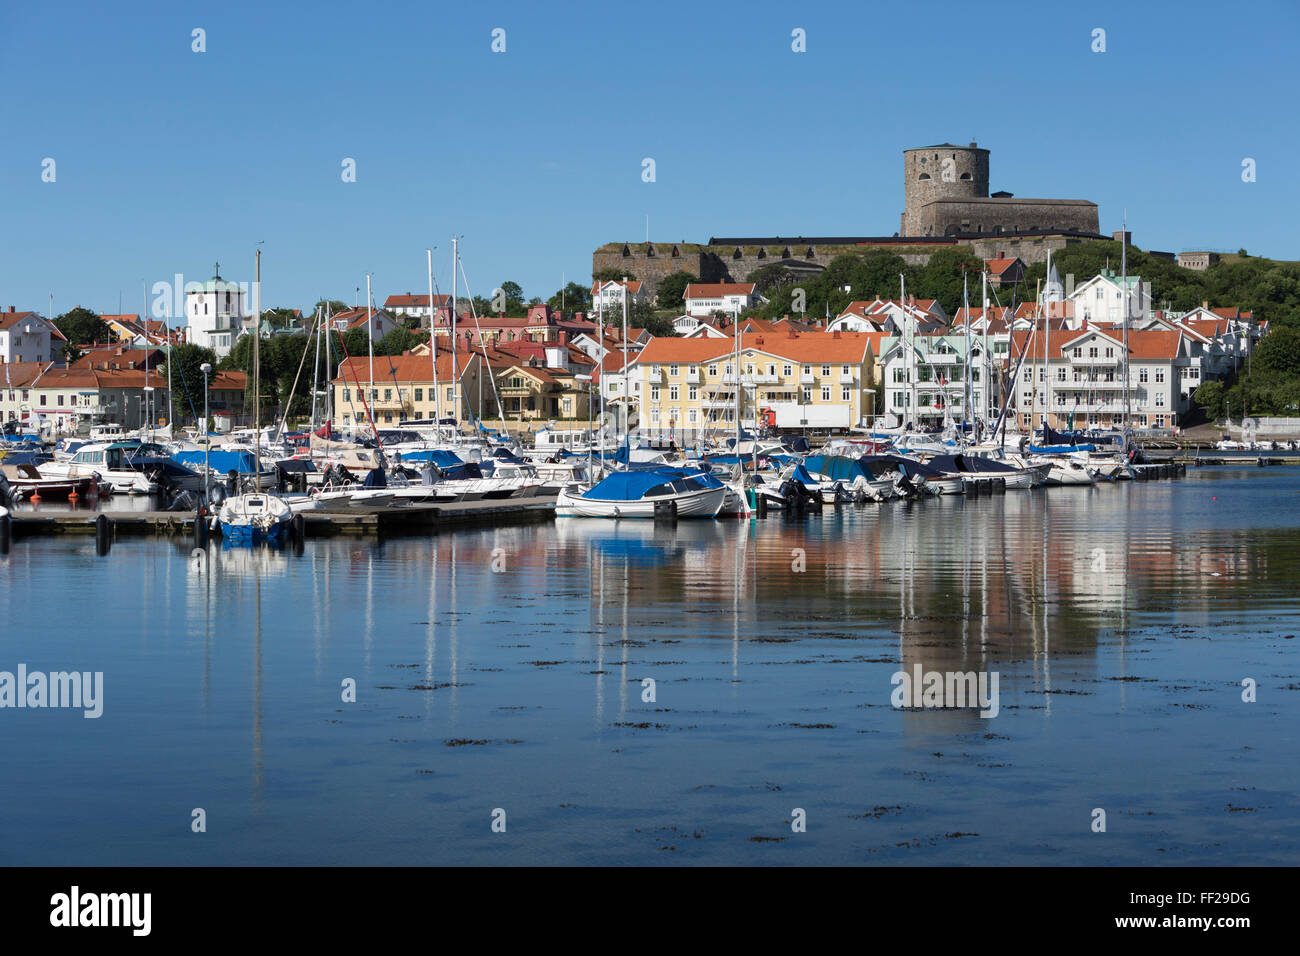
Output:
x,y
410,519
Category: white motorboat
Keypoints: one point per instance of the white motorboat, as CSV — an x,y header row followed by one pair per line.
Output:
x,y
636,493
108,461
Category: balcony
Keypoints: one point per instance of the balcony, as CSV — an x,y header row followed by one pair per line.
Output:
x,y
847,378
807,378
693,378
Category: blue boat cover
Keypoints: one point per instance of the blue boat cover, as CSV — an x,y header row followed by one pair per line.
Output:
x,y
837,468
970,464
223,462
909,468
632,485
439,456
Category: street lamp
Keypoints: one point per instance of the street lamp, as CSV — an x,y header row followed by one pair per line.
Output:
x,y
206,368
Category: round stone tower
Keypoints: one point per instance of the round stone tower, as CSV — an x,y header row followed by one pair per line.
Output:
x,y
945,171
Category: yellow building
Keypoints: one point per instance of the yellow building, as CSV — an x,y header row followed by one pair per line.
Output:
x,y
404,388
532,393
788,380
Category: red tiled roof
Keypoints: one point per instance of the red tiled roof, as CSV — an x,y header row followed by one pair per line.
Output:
x,y
998,266
410,301
402,368
710,290
20,374
9,319
1148,345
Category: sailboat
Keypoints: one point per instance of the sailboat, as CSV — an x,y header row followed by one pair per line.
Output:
x,y
258,516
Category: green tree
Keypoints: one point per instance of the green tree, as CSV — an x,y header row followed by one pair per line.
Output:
x,y
941,277
612,275
1209,396
185,367
765,278
574,297
398,341
672,290
1278,353
81,327
642,315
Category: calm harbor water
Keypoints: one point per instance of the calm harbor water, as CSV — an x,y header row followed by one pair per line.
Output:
x,y
1121,620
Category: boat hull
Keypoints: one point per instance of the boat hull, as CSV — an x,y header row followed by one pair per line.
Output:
x,y
704,503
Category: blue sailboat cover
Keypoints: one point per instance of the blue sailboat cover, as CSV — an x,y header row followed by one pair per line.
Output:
x,y
223,462
632,485
837,468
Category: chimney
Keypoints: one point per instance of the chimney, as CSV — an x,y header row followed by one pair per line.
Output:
x,y
1205,305
792,334
13,308
836,333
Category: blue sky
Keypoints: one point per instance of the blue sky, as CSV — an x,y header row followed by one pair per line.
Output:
x,y
167,160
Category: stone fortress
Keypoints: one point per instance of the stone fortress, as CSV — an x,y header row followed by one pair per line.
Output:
x,y
946,188
947,203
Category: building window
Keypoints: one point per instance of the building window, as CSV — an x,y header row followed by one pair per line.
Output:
x,y
785,370
846,394
419,394
672,370
672,393
713,371
388,394
826,371
826,393
1142,374
1160,375
807,396
693,393
694,416
451,394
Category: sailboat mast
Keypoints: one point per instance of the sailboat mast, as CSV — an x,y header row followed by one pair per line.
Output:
x,y
1123,281
257,367
968,391
627,407
740,403
600,337
433,350
987,375
370,341
455,348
